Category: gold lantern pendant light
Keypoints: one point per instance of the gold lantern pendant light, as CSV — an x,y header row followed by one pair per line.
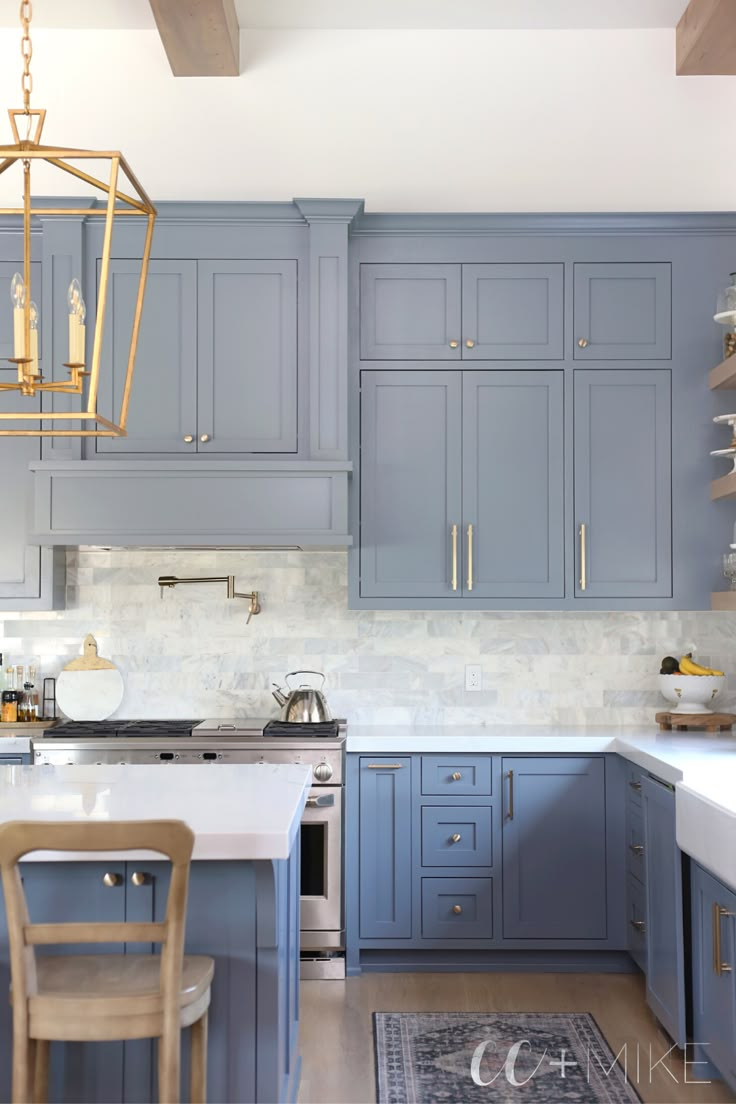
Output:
x,y
27,151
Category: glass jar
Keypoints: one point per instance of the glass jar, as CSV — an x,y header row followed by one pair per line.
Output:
x,y
726,304
10,702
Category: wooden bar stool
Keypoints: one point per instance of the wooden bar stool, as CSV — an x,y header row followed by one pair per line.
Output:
x,y
92,998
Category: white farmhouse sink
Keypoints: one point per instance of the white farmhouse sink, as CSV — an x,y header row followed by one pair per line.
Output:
x,y
706,821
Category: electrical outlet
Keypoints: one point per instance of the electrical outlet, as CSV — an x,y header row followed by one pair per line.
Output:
x,y
473,676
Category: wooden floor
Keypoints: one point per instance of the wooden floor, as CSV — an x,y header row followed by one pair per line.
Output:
x,y
337,1032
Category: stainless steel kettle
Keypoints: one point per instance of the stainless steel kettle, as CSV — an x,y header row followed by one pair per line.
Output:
x,y
302,704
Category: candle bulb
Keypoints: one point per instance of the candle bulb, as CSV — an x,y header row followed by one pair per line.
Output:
x,y
74,298
81,331
18,299
34,339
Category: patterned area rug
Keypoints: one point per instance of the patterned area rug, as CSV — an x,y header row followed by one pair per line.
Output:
x,y
496,1058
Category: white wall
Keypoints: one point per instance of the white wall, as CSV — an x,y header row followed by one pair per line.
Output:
x,y
425,120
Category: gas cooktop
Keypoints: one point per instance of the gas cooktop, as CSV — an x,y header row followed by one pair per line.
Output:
x,y
96,730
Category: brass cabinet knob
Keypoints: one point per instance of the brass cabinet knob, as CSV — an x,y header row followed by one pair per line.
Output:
x,y
457,909
204,438
636,848
469,344
188,439
138,878
583,342
456,776
638,925
455,837
635,785
109,879
454,344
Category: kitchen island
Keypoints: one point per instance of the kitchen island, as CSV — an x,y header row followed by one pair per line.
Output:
x,y
243,910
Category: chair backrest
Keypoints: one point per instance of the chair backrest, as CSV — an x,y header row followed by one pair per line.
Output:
x,y
18,838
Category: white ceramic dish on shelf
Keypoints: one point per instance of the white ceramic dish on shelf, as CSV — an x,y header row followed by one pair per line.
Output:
x,y
691,693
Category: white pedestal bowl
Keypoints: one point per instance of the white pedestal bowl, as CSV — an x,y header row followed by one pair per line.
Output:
x,y
691,693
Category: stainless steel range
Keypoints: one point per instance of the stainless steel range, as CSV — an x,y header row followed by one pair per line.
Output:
x,y
321,746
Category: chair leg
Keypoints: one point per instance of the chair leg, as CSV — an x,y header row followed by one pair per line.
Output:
x,y
23,1054
41,1072
198,1062
169,1058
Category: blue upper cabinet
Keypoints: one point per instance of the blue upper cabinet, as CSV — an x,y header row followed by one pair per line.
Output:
x,y
554,806
410,312
623,483
411,425
623,311
513,312
163,405
513,484
247,343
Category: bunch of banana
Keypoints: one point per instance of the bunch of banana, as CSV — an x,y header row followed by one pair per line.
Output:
x,y
689,667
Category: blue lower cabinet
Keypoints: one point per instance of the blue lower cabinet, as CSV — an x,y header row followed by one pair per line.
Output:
x,y
456,836
714,973
665,957
22,758
554,848
457,908
636,922
385,851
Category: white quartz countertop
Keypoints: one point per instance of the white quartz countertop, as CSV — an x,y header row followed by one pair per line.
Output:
x,y
237,812
14,745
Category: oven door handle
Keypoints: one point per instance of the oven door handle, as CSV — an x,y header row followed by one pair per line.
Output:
x,y
324,801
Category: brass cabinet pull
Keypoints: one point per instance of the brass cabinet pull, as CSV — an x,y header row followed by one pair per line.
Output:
x,y
470,557
635,785
457,909
455,837
719,967
138,878
454,557
456,776
510,777
636,848
385,766
204,438
109,879
469,344
583,342
583,559
189,438
454,344
638,925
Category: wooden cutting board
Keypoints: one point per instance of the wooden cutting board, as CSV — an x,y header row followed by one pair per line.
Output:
x,y
89,688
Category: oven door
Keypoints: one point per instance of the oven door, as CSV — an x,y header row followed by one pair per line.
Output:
x,y
321,870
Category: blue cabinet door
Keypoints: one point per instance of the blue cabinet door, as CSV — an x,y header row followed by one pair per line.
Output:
x,y
410,490
410,312
385,848
80,1073
623,311
665,959
513,484
554,848
714,987
623,483
513,312
247,342
163,401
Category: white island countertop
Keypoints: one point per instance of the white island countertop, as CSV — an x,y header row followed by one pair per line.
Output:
x,y
240,812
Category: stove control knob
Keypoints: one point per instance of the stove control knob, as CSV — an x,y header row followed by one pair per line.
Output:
x,y
323,772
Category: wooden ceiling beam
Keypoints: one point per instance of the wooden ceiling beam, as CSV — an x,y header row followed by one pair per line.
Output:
x,y
706,39
201,37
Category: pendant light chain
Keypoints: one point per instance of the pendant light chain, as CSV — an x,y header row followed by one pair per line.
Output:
x,y
26,52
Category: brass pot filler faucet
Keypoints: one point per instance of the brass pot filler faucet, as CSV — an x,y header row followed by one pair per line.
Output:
x,y
252,595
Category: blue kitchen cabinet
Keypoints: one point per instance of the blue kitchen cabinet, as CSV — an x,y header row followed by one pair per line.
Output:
x,y
410,312
713,914
622,311
19,759
623,484
163,401
665,955
385,848
554,848
513,484
512,311
247,375
411,426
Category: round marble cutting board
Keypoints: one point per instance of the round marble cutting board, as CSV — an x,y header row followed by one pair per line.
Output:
x,y
89,688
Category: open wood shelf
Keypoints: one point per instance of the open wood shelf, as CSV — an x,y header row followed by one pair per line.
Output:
x,y
723,600
723,376
725,487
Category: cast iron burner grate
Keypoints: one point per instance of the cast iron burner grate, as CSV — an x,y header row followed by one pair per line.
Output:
x,y
324,730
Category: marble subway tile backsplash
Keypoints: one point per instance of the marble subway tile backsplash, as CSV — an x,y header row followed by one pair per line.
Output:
x,y
191,654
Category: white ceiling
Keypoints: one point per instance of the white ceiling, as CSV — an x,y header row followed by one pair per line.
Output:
x,y
359,14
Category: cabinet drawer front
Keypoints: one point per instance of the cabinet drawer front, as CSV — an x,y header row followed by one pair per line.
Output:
x,y
456,775
635,844
442,897
453,836
635,920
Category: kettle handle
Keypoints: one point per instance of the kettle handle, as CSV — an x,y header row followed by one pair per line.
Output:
x,y
291,673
